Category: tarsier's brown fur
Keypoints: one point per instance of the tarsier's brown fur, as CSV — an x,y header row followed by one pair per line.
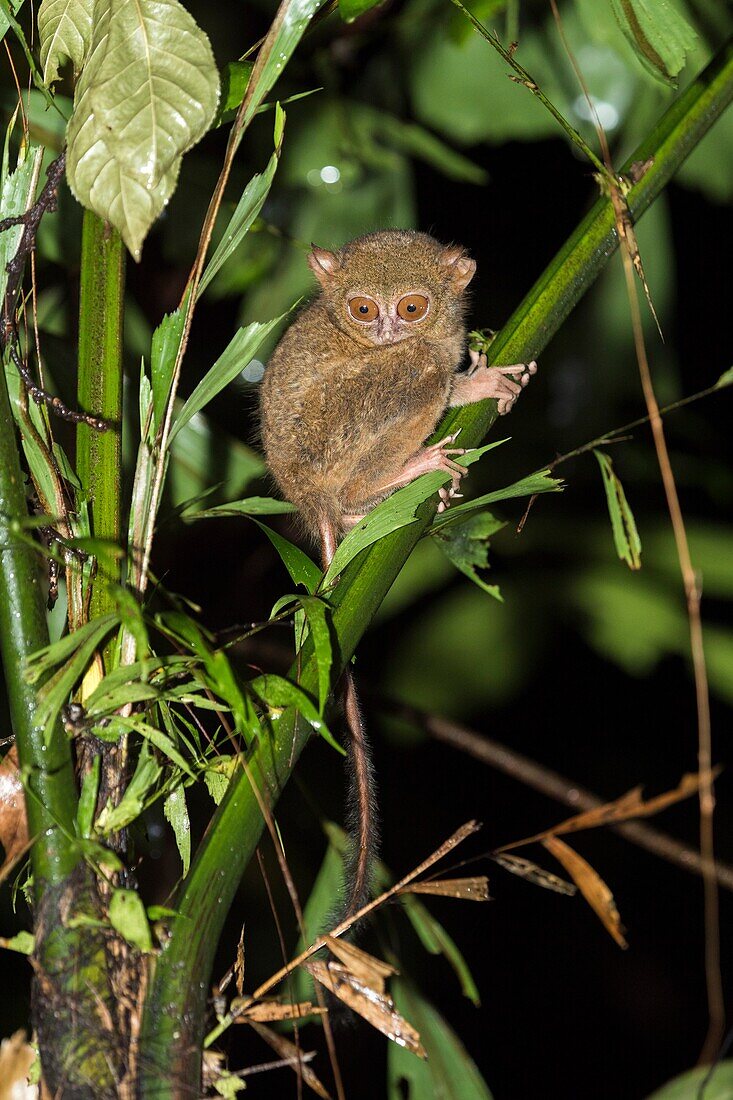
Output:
x,y
346,405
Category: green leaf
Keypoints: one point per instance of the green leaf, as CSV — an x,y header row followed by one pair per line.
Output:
x,y
625,536
398,510
217,776
16,196
726,379
449,1072
528,486
687,1086
290,24
240,349
247,209
349,10
203,454
23,942
251,506
316,612
300,567
234,80
88,799
43,660
163,352
466,544
161,740
176,813
659,33
279,693
146,775
128,917
65,33
57,689
14,6
148,92
436,940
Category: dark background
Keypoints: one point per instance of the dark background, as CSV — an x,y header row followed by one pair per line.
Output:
x,y
584,666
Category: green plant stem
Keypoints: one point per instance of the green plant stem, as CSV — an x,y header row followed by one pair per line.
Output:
x,y
175,1010
23,630
98,454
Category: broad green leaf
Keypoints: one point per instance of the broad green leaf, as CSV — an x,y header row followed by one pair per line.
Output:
x,y
466,544
234,80
146,775
398,510
350,10
625,535
449,1072
163,352
247,209
65,33
302,569
688,1085
128,917
176,812
251,506
148,92
22,942
217,776
659,33
88,799
240,349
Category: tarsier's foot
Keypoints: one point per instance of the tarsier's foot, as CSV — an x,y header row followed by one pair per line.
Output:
x,y
502,383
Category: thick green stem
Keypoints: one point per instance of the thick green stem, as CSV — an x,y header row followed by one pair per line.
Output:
x,y
98,454
175,1010
23,630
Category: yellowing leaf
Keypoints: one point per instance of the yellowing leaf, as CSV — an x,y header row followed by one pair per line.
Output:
x,y
590,884
475,888
65,31
147,93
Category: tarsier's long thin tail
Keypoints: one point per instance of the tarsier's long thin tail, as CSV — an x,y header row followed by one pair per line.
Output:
x,y
361,803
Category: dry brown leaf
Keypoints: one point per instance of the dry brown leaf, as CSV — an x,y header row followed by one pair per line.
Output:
x,y
628,805
467,889
16,1059
590,884
364,966
13,820
376,1008
239,964
290,1052
525,868
265,1011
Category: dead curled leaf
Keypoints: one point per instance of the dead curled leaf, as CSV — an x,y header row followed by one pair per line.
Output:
x,y
628,805
590,884
265,1011
376,1008
466,889
368,969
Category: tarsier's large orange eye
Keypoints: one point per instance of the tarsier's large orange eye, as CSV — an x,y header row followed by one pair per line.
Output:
x,y
413,307
363,309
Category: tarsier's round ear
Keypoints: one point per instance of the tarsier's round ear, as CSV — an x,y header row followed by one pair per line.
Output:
x,y
324,264
460,267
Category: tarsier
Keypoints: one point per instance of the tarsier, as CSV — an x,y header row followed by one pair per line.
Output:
x,y
354,388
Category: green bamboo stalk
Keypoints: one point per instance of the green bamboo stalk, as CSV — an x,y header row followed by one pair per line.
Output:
x,y
23,630
99,387
174,1014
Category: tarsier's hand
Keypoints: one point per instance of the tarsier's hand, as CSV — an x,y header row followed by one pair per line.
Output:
x,y
502,383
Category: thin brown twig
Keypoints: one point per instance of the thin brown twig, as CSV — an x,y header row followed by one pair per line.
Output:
x,y
562,789
713,978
